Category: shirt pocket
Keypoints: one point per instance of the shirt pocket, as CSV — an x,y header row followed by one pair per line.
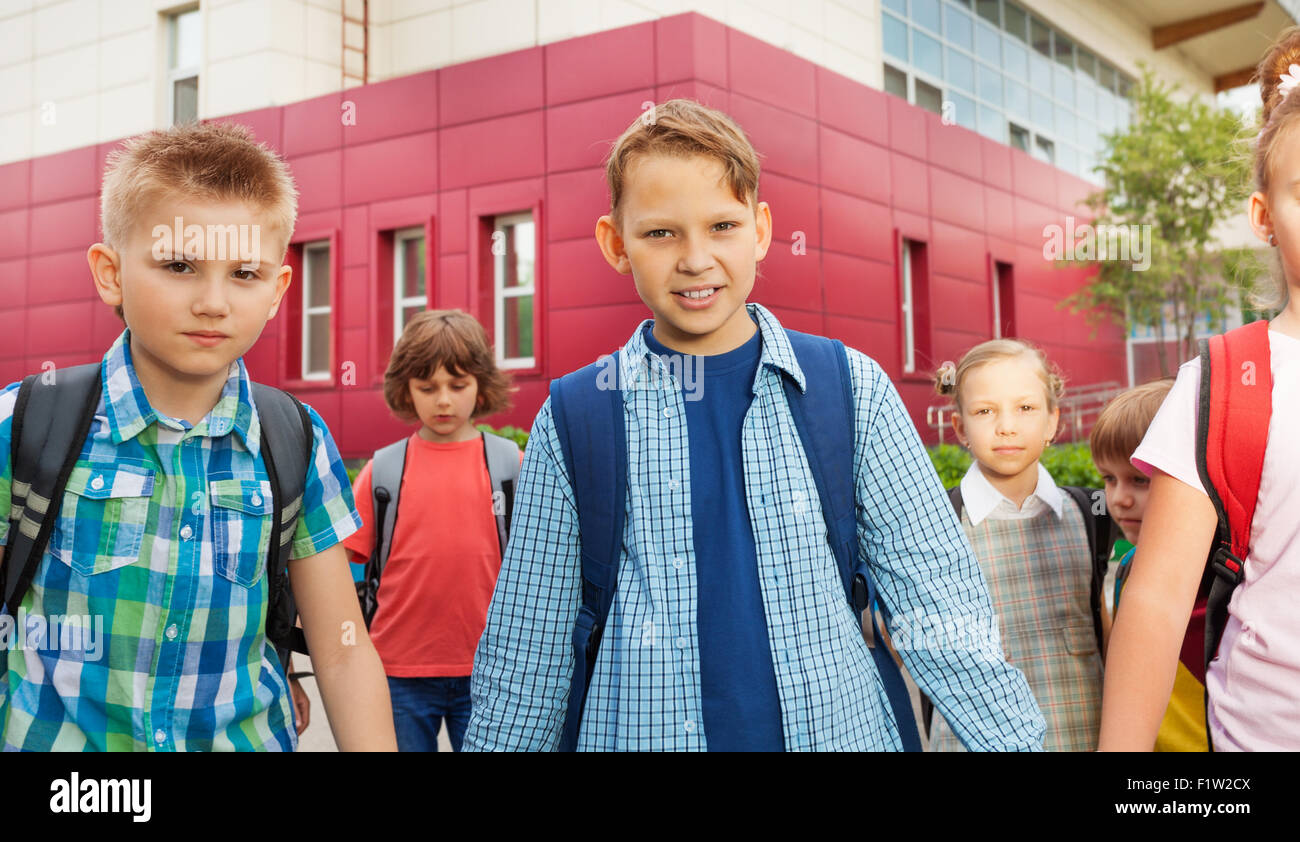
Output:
x,y
1080,640
103,516
241,528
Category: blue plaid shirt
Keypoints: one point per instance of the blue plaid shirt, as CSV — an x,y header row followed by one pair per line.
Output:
x,y
645,692
158,554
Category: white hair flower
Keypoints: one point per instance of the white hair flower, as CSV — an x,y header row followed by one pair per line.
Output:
x,y
1289,80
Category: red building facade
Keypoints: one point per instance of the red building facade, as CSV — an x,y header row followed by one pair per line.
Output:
x,y
854,177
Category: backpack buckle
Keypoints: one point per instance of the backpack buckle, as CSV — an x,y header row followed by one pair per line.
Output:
x,y
1227,566
593,643
861,594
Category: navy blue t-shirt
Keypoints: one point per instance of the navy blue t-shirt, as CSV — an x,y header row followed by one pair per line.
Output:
x,y
742,710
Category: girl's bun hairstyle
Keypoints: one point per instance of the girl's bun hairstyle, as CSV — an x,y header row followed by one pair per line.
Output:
x,y
948,378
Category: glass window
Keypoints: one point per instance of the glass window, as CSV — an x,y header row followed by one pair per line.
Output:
x,y
1064,122
895,82
992,125
1041,110
1123,114
185,100
316,311
1017,98
1087,62
1015,60
988,44
1015,21
184,55
409,271
928,97
1064,50
963,110
957,27
1044,150
899,6
961,70
1019,137
1066,158
1086,130
988,9
1106,76
514,246
1123,85
894,33
1040,73
926,13
1087,161
1040,37
1063,85
186,39
990,85
927,54
1086,95
1106,111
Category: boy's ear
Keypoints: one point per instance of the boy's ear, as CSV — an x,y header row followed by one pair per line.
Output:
x,y
106,269
763,229
611,245
282,279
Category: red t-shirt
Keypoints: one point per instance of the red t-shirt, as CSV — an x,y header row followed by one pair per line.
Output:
x,y
443,565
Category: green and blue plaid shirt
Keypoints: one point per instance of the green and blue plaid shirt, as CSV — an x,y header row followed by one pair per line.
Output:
x,y
144,628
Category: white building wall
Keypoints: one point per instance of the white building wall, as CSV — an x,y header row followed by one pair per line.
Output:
x,y
76,72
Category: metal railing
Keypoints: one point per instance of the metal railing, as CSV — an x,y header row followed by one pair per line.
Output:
x,y
1079,411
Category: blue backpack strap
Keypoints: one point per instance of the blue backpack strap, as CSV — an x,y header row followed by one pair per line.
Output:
x,y
824,417
589,424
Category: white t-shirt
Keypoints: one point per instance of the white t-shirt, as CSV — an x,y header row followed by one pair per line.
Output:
x,y
1254,684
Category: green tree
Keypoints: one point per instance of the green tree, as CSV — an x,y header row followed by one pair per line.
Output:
x,y
1177,172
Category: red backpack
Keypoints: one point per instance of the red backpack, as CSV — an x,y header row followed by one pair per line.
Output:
x,y
1236,404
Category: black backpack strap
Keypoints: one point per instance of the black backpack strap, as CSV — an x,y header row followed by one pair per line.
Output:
x,y
51,419
387,469
502,457
287,444
1101,531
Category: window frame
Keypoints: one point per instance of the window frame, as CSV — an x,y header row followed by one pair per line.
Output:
x,y
180,73
500,293
293,312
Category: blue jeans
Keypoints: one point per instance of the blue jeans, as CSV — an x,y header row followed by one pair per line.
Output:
x,y
419,706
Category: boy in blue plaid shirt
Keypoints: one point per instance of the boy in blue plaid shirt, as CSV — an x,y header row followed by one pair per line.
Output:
x,y
161,535
729,628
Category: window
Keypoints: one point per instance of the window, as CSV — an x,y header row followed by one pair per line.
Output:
x,y
914,296
316,311
1044,150
514,252
184,48
1019,137
929,97
1004,300
895,82
409,274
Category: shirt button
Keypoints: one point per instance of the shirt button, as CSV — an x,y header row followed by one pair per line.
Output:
x,y
681,642
256,499
97,483
678,562
672,485
186,532
689,725
171,632
160,736
669,412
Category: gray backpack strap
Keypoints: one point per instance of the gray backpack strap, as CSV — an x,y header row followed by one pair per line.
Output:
x,y
502,457
386,479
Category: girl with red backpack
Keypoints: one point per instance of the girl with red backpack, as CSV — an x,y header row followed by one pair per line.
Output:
x,y
1223,487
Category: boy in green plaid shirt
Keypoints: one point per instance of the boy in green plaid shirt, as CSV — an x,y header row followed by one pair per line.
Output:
x,y
161,536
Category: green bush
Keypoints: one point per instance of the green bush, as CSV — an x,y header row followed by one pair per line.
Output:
x,y
1069,464
515,434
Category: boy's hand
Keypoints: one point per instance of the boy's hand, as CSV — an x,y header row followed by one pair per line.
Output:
x,y
348,670
301,705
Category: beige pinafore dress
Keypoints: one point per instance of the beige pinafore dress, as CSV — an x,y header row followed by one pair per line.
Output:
x,y
1039,575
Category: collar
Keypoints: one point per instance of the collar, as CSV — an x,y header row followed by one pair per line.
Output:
x,y
980,498
776,352
129,412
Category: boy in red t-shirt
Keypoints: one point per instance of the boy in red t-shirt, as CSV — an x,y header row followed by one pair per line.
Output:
x,y
445,554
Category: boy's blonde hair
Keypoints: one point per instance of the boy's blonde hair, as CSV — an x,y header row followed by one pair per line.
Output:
x,y
205,161
684,127
1123,422
948,379
450,339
